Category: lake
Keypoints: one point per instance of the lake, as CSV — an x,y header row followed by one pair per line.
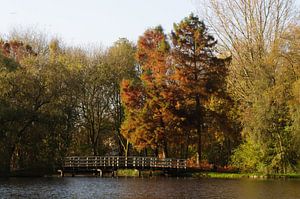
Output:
x,y
148,188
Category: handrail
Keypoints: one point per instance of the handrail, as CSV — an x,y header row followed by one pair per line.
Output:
x,y
123,162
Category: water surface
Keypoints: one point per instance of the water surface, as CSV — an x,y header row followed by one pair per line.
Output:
x,y
148,188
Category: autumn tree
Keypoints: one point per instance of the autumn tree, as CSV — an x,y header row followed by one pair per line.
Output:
x,y
147,123
199,75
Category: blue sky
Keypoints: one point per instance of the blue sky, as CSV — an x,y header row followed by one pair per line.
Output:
x,y
80,22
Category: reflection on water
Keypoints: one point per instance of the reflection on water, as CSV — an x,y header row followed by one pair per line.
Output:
x,y
140,188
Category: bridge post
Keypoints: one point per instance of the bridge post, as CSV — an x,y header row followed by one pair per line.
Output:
x,y
100,173
61,173
151,162
114,173
73,171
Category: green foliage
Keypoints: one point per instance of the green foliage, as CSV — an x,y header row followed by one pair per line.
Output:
x,y
270,118
37,118
219,175
248,157
7,63
127,173
262,75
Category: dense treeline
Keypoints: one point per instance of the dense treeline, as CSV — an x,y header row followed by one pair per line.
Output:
x,y
236,102
58,101
262,38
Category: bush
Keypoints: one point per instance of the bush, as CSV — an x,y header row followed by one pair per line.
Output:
x,y
248,157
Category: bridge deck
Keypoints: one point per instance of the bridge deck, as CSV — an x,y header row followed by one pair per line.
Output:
x,y
121,162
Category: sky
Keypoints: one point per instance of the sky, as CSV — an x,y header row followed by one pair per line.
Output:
x,y
81,22
85,22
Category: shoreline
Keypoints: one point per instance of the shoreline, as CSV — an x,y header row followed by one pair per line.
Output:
x,y
159,173
219,175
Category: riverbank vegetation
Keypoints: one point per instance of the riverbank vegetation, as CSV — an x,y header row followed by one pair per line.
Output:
x,y
227,96
217,175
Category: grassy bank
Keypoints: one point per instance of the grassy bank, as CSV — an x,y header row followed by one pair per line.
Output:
x,y
135,173
128,173
218,175
242,175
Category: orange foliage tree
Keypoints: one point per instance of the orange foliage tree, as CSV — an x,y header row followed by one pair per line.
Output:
x,y
149,122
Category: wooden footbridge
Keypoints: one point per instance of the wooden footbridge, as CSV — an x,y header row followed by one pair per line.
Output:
x,y
100,164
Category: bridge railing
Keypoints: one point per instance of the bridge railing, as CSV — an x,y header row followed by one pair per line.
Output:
x,y
123,162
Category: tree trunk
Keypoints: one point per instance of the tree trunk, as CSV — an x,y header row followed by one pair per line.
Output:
x,y
156,152
126,149
199,127
187,147
165,149
6,159
199,150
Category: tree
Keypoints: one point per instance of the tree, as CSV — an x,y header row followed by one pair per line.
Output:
x,y
149,121
120,59
249,31
199,73
94,95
